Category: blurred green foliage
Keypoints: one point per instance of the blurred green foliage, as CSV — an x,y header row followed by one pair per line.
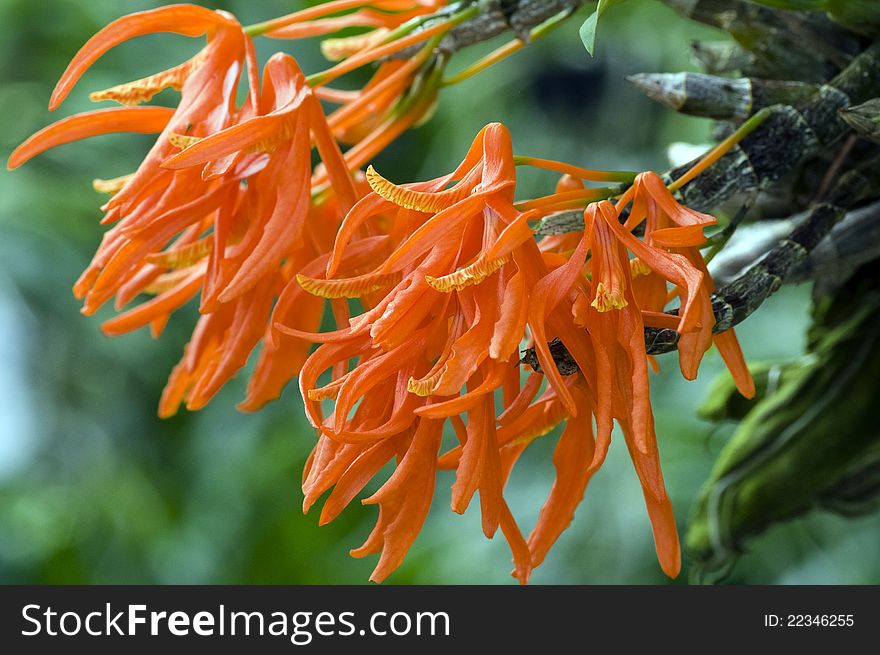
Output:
x,y
95,489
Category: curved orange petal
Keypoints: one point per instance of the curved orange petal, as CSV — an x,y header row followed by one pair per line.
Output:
x,y
404,501
145,120
161,305
728,346
573,454
546,295
674,267
510,327
680,214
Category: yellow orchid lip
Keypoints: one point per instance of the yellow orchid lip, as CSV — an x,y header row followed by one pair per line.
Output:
x,y
355,287
423,201
608,298
472,274
143,90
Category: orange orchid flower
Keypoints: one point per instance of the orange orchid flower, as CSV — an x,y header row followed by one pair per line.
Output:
x,y
456,287
445,309
186,224
678,229
250,271
447,275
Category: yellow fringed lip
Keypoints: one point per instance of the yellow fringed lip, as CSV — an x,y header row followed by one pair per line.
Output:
x,y
429,203
140,91
352,287
472,274
608,298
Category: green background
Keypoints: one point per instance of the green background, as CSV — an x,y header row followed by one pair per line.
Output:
x,y
94,488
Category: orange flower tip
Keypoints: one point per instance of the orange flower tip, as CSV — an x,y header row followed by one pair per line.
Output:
x,y
496,354
689,374
671,565
249,406
638,268
746,387
113,186
166,412
569,183
473,274
182,141
521,576
607,299
354,287
429,203
198,402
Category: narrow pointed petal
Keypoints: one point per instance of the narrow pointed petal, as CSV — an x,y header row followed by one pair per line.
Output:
x,y
145,120
572,457
404,501
728,346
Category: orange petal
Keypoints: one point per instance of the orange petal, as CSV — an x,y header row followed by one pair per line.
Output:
x,y
673,267
522,565
546,295
357,476
258,133
572,457
146,120
678,237
404,501
161,305
680,214
728,346
510,327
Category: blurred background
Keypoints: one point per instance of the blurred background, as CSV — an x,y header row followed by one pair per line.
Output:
x,y
94,488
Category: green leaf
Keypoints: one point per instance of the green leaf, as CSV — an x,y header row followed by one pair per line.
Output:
x,y
588,29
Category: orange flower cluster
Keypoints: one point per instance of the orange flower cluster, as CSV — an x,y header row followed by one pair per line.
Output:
x,y
446,275
456,287
219,205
